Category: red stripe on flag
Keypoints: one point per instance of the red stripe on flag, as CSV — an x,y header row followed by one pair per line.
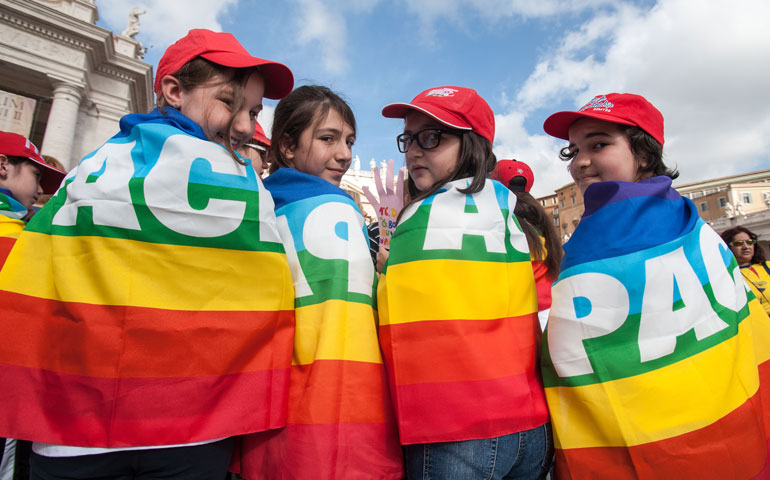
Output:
x,y
461,350
118,341
732,447
321,452
74,410
455,411
6,243
339,391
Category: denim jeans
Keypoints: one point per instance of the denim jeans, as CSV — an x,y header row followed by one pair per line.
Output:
x,y
523,455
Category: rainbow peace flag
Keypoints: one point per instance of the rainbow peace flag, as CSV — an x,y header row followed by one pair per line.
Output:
x,y
341,423
650,354
458,319
150,301
11,223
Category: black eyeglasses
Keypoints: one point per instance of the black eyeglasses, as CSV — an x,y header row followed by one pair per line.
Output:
x,y
426,139
739,243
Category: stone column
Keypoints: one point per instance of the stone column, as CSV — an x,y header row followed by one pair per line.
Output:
x,y
62,121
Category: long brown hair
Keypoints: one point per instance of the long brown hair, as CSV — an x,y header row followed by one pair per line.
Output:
x,y
305,107
535,222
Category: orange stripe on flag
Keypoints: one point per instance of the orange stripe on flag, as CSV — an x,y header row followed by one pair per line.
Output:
x,y
141,342
732,447
339,391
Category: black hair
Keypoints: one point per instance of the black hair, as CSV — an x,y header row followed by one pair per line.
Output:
x,y
535,221
643,147
759,253
305,107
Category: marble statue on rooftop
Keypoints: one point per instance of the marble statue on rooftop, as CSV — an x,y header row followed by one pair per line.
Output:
x,y
132,29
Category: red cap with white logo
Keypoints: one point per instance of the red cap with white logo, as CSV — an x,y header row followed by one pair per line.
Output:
x,y
623,108
456,107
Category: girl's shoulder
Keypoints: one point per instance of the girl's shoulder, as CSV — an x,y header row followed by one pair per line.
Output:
x,y
287,185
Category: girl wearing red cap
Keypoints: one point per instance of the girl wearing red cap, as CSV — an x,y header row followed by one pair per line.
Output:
x,y
457,303
341,423
144,347
655,355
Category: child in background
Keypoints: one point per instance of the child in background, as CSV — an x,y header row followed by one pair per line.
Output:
x,y
542,238
134,342
256,150
24,177
649,355
457,303
341,424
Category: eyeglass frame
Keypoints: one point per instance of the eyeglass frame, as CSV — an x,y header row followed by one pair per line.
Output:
x,y
416,137
739,243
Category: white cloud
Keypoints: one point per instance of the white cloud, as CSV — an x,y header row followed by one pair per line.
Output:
x,y
537,151
458,12
165,21
323,25
703,64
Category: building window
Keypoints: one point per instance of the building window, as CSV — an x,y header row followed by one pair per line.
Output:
x,y
555,211
746,198
562,203
573,199
723,202
556,221
704,207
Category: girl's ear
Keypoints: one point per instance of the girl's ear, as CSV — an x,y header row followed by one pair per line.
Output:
x,y
287,147
4,167
171,90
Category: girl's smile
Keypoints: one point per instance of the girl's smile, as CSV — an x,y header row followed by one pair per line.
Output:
x,y
325,149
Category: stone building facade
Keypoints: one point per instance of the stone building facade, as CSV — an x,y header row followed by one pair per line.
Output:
x,y
77,78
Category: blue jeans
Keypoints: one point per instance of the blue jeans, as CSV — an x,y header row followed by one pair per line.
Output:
x,y
523,455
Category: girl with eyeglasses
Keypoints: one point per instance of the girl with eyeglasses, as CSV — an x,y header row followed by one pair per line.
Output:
x,y
751,258
457,303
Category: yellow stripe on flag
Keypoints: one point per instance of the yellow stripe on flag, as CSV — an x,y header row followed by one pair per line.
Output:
x,y
456,290
10,227
760,331
699,391
335,330
110,271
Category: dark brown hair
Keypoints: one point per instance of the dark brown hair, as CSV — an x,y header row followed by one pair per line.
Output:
x,y
476,160
305,107
759,254
643,147
535,221
200,71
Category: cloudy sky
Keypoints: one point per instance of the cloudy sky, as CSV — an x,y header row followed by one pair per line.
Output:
x,y
704,64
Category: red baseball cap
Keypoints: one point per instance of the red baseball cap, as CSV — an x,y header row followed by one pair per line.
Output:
x,y
259,135
456,107
507,170
15,145
623,108
223,49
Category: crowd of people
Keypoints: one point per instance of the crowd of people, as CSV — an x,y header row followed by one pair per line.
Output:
x,y
170,313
